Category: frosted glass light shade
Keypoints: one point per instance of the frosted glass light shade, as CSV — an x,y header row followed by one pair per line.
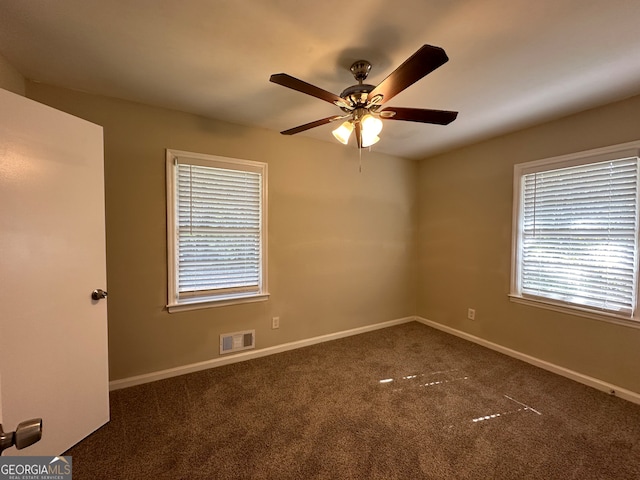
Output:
x,y
343,132
371,126
368,140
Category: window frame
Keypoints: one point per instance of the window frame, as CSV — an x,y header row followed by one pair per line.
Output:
x,y
191,302
575,159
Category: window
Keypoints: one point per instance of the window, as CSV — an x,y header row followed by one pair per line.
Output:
x,y
216,230
576,232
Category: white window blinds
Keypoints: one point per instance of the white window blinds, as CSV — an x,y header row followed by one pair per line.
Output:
x,y
219,231
579,235
216,231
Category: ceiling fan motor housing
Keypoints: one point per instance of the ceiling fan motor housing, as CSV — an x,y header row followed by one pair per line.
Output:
x,y
356,95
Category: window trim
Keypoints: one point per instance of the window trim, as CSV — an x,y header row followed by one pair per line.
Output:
x,y
198,302
574,159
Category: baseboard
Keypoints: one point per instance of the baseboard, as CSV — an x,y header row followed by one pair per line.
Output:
x,y
565,372
249,355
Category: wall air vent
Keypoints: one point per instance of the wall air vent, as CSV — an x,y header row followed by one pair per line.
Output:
x,y
234,342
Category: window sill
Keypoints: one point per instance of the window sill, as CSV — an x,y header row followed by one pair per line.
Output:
x,y
576,310
200,303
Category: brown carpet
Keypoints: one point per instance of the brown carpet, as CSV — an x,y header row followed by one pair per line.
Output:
x,y
406,402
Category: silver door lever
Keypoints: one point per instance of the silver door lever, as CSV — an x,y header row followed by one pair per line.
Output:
x,y
27,433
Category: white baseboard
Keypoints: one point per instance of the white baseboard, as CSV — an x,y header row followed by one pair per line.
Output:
x,y
565,372
248,355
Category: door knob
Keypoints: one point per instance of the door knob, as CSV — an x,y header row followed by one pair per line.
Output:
x,y
27,433
98,294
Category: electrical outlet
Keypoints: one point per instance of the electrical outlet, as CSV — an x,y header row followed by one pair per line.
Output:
x,y
275,322
471,314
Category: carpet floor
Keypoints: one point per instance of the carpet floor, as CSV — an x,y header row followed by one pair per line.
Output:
x,y
405,402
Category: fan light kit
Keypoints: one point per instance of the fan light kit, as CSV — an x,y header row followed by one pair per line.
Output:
x,y
361,103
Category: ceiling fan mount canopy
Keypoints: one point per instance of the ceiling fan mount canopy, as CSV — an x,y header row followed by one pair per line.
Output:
x,y
362,102
360,70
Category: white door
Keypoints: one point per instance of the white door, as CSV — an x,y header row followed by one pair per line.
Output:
x,y
53,336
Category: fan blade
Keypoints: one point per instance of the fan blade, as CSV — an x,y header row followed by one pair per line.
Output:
x,y
307,126
424,61
423,115
359,134
304,87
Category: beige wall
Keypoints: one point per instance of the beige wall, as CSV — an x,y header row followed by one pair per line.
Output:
x,y
464,231
10,78
341,243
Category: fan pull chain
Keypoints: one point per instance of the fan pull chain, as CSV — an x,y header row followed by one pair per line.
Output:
x,y
360,160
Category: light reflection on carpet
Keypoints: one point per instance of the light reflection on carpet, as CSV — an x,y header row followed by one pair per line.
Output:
x,y
422,380
524,408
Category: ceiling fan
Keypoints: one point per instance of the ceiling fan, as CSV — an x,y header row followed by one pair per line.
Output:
x,y
361,103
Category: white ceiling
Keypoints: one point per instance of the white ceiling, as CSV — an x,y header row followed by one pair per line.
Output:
x,y
513,63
